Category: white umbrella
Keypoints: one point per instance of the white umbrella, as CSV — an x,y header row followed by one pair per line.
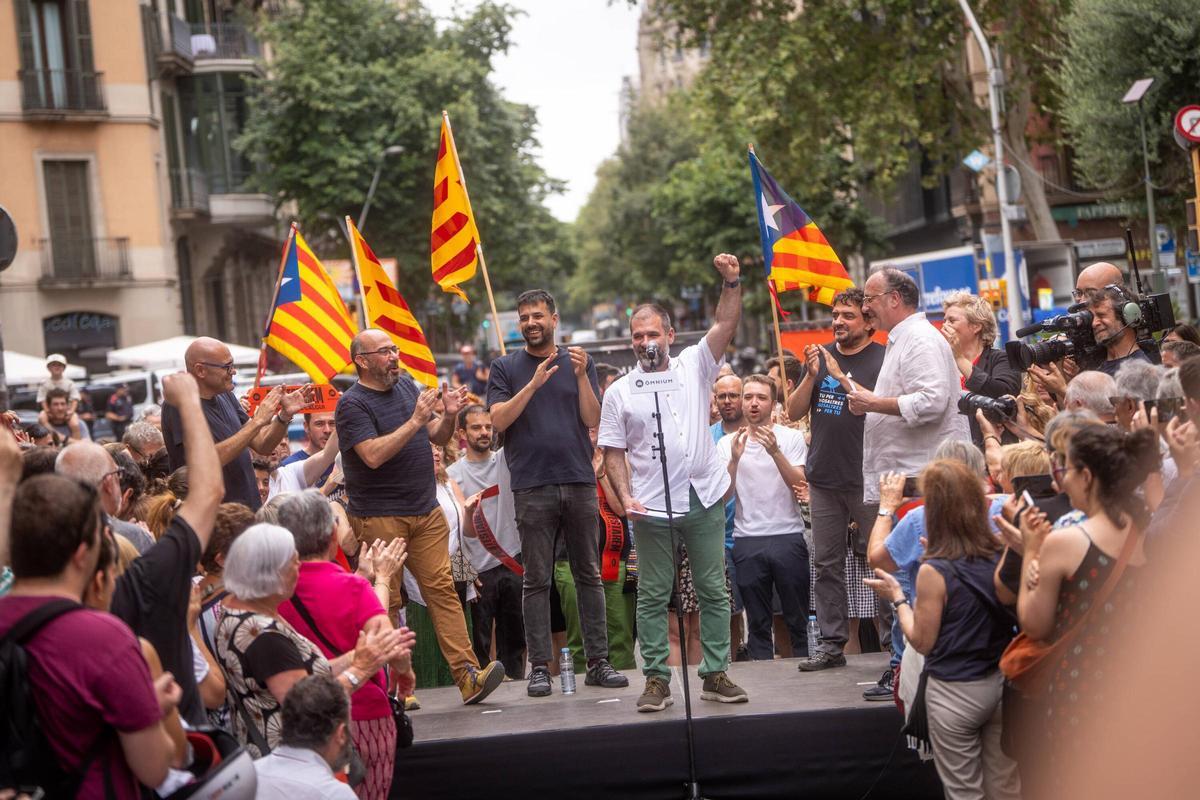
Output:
x,y
168,354
21,370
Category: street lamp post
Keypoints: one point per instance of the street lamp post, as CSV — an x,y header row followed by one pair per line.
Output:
x,y
1135,95
393,150
995,81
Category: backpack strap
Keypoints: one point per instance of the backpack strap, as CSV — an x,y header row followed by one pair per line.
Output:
x,y
298,604
32,622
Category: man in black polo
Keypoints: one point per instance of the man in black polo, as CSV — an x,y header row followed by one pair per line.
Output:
x,y
235,433
544,398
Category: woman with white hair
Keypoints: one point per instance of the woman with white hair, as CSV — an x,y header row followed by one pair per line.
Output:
x,y
261,655
970,327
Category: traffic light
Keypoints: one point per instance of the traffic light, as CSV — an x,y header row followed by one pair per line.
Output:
x,y
1193,228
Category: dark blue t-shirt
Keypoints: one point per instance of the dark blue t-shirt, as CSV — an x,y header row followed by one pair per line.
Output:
x,y
1111,367
548,444
836,451
225,417
403,486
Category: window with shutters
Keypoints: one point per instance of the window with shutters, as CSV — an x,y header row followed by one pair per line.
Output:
x,y
57,73
72,253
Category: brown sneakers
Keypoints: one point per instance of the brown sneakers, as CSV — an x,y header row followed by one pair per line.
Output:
x,y
481,682
718,688
657,695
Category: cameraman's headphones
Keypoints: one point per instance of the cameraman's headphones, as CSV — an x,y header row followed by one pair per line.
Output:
x,y
1127,307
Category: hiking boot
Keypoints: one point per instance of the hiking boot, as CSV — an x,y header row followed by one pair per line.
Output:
x,y
539,682
821,660
604,674
718,688
481,682
881,691
657,695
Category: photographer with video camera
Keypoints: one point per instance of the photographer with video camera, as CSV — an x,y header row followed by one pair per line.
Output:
x,y
970,329
1114,325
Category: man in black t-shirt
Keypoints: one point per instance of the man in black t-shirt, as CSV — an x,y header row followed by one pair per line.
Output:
x,y
152,596
385,428
211,364
834,466
544,398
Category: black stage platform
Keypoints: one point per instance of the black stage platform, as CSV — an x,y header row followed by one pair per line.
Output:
x,y
807,735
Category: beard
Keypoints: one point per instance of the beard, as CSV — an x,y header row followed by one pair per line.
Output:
x,y
388,376
537,337
480,445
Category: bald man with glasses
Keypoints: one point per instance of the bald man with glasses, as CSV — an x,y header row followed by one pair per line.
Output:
x,y
235,432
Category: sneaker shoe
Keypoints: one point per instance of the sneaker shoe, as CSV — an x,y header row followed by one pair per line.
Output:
x,y
820,661
481,682
539,682
881,691
411,703
657,695
718,688
604,674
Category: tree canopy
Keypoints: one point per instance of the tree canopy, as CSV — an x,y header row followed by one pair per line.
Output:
x,y
348,79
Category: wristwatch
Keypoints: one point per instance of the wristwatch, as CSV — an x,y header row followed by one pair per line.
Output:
x,y
885,512
278,418
733,284
897,603
354,682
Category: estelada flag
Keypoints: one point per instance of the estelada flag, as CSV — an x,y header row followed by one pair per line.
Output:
x,y
309,323
795,252
454,241
386,310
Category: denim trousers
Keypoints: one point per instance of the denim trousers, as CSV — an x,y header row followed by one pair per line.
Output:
x,y
544,513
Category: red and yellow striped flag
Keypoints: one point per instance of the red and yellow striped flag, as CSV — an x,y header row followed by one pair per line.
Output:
x,y
309,323
454,242
386,310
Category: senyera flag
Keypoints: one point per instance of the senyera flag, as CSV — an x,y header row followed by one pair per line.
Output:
x,y
795,252
454,240
308,322
386,310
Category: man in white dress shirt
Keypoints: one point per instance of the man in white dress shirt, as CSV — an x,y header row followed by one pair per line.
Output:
x,y
914,406
315,741
697,478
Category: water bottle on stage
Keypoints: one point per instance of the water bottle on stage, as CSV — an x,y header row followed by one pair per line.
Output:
x,y
566,671
814,634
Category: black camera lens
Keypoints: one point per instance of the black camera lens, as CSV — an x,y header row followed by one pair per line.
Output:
x,y
996,409
1022,356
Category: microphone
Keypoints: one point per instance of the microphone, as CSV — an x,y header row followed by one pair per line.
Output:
x,y
652,354
1028,330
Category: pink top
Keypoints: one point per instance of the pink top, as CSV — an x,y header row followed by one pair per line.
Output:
x,y
89,679
340,603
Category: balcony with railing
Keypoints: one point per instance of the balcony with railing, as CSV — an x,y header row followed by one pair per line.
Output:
x,y
62,93
71,261
189,192
223,41
168,41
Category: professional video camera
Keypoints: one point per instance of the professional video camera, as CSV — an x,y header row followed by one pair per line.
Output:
x,y
1145,313
996,409
1076,341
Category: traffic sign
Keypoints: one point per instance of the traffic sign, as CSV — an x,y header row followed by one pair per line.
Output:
x,y
1187,123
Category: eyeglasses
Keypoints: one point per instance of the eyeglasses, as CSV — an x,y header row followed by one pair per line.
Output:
x,y
1116,401
869,297
230,368
729,396
116,471
391,351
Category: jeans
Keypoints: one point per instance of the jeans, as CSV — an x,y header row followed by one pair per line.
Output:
x,y
543,514
428,540
619,611
832,512
499,601
781,562
702,530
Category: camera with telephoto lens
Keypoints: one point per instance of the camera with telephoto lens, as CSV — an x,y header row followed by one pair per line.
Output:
x,y
996,409
1075,340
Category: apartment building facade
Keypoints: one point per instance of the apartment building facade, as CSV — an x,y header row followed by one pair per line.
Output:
x,y
135,220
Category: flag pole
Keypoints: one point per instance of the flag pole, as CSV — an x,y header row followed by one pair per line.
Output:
x,y
487,282
775,307
262,353
351,233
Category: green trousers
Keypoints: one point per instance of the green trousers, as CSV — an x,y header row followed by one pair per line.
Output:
x,y
702,531
618,609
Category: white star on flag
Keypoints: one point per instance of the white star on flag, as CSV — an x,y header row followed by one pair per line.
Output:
x,y
769,212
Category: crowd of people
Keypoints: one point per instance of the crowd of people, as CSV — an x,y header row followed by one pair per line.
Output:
x,y
194,578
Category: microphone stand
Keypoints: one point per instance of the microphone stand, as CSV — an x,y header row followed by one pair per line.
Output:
x,y
693,787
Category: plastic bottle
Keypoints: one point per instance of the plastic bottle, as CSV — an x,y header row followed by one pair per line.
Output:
x,y
814,635
566,671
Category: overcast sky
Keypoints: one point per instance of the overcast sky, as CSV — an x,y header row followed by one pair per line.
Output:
x,y
567,61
